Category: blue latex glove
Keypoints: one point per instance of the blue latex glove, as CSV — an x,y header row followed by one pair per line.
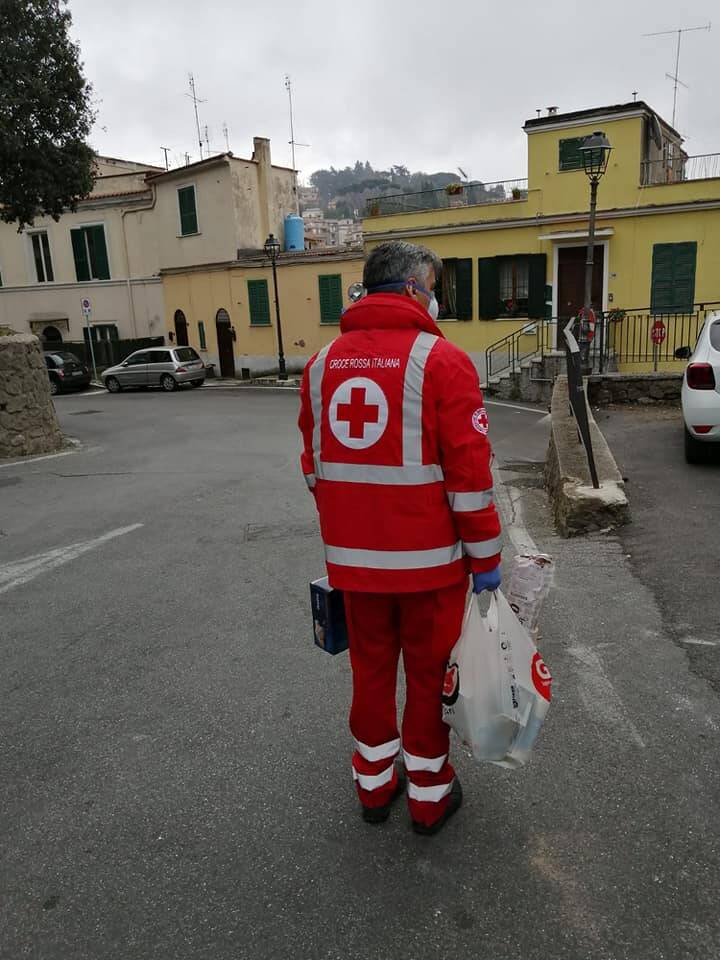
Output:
x,y
490,580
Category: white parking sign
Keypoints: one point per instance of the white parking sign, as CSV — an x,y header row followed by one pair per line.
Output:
x,y
85,304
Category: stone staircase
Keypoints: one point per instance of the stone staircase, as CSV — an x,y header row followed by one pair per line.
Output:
x,y
530,379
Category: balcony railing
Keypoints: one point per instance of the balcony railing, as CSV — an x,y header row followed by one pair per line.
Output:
x,y
458,195
705,166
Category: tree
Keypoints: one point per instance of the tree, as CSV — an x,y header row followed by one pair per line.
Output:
x,y
46,164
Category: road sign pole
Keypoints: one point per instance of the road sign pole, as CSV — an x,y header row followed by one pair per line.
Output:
x,y
90,343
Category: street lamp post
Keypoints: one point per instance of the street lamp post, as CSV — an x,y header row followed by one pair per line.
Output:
x,y
595,152
272,249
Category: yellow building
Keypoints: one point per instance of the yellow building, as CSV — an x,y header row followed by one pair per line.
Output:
x,y
227,310
514,252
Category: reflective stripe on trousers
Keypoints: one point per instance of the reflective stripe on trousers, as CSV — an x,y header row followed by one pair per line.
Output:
x,y
369,782
384,751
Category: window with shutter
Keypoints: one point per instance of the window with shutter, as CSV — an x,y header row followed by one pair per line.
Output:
x,y
188,211
464,294
331,301
537,275
41,256
673,277
90,253
570,156
201,335
489,288
259,302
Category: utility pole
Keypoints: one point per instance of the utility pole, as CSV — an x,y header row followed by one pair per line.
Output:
x,y
196,100
166,150
675,76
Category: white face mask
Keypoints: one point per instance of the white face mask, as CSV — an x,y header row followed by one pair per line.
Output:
x,y
433,307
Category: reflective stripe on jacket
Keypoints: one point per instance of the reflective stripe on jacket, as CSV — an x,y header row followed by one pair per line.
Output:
x,y
396,453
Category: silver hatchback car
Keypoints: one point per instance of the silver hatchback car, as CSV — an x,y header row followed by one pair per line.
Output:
x,y
166,367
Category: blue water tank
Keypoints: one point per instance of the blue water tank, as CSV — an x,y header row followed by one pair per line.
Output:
x,y
294,232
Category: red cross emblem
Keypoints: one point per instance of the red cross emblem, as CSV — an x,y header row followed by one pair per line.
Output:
x,y
358,413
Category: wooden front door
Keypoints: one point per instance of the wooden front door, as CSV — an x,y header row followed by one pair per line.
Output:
x,y
226,353
181,331
571,280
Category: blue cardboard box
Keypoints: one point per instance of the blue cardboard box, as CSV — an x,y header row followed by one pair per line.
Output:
x,y
328,611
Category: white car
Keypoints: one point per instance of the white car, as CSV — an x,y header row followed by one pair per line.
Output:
x,y
701,391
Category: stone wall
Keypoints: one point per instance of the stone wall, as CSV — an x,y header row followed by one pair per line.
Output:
x,y
28,424
577,507
643,388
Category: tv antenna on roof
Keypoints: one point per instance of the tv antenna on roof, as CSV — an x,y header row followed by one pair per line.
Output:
x,y
293,142
462,173
196,100
674,76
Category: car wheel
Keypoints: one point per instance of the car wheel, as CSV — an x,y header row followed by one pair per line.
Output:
x,y
167,382
695,450
54,388
113,385
196,383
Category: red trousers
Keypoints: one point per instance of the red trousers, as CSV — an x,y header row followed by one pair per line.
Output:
x,y
424,627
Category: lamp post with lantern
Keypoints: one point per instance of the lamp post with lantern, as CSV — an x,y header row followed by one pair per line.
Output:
x,y
595,152
272,249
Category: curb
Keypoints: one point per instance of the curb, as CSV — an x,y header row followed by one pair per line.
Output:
x,y
577,507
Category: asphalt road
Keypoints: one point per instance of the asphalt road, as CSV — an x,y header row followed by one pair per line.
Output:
x,y
674,539
175,760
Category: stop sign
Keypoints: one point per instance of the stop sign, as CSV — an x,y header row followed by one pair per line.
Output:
x,y
658,332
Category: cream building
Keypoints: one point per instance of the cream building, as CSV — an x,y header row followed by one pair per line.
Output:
x,y
138,220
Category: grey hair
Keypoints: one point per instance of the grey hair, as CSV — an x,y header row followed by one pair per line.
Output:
x,y
398,261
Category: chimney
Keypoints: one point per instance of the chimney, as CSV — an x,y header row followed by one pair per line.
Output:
x,y
552,111
261,154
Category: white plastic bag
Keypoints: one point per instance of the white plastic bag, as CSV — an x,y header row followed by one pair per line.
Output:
x,y
497,688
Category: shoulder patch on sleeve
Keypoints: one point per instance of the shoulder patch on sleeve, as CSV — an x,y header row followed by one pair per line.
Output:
x,y
480,420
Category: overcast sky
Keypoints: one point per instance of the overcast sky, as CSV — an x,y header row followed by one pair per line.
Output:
x,y
429,85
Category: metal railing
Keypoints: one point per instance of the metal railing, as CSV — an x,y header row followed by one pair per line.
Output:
x,y
629,334
457,195
704,166
620,337
534,339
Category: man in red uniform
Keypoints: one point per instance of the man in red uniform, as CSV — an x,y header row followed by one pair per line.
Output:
x,y
397,456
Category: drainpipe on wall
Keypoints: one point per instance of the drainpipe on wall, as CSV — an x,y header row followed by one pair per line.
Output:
x,y
128,284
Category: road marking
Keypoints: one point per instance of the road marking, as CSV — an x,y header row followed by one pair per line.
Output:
x,y
598,694
46,456
19,572
78,396
539,411
701,643
509,502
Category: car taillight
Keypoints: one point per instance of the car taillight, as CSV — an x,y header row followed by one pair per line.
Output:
x,y
702,427
61,373
700,376
181,370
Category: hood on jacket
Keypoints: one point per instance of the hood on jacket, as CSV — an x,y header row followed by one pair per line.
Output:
x,y
388,311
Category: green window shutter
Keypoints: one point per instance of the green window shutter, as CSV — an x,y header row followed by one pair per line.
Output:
x,y
463,288
331,302
259,303
570,156
684,262
537,269
489,288
46,256
82,267
99,266
201,335
188,211
673,277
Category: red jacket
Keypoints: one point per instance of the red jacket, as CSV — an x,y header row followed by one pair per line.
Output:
x,y
396,453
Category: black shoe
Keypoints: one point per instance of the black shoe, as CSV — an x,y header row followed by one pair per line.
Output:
x,y
380,814
454,804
